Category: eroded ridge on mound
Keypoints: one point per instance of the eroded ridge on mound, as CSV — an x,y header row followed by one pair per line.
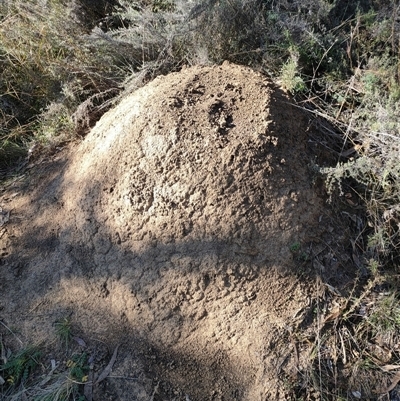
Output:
x,y
174,221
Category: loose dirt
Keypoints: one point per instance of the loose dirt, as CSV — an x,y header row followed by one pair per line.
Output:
x,y
183,229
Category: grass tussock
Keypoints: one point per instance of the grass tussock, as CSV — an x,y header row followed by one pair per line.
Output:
x,y
62,64
28,374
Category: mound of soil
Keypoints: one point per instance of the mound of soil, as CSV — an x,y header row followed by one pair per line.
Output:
x,y
178,230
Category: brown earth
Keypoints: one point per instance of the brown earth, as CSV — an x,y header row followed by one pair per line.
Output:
x,y
184,228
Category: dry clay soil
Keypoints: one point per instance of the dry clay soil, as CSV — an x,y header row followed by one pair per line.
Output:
x,y
180,229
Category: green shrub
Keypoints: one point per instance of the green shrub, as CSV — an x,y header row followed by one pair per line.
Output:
x,y
49,66
19,366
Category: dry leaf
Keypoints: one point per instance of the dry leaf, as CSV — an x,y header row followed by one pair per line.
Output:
x,y
80,342
388,368
333,315
88,387
395,380
108,368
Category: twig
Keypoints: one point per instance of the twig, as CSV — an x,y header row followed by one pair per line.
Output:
x,y
123,377
385,134
155,391
319,339
344,359
320,61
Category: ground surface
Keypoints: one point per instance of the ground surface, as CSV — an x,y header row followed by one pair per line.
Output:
x,y
184,228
